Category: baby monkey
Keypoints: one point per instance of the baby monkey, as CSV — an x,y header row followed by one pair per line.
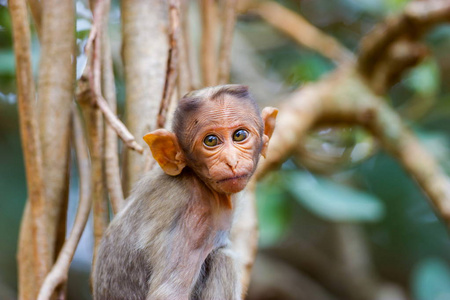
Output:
x,y
171,240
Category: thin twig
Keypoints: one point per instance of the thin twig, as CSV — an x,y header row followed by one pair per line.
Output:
x,y
59,273
30,143
117,125
112,169
303,32
208,46
96,132
99,203
172,62
94,43
227,38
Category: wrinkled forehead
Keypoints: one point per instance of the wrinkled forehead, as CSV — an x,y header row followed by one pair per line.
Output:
x,y
226,111
195,115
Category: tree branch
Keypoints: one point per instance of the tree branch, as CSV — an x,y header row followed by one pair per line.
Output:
x,y
145,63
36,12
60,270
100,205
417,19
29,279
55,97
112,168
299,29
185,76
208,43
172,62
96,132
344,98
94,44
244,235
229,21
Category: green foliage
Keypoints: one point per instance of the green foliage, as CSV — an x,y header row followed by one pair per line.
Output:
x,y
274,210
309,67
332,201
395,5
424,79
7,65
5,28
431,280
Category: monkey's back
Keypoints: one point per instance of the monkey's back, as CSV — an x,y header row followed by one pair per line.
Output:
x,y
122,269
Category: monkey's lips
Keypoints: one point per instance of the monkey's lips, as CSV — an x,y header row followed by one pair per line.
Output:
x,y
233,184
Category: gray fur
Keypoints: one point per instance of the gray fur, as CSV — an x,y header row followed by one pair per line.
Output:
x,y
147,251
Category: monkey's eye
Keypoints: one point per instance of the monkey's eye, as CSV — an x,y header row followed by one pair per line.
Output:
x,y
211,140
240,135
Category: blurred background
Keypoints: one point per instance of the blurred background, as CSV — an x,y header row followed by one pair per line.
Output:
x,y
341,220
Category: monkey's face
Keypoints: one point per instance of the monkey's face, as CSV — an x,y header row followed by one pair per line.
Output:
x,y
227,143
220,139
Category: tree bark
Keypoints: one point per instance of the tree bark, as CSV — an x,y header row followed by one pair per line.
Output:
x,y
145,52
112,168
33,255
55,98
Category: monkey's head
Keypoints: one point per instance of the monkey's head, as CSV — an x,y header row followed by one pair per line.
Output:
x,y
219,133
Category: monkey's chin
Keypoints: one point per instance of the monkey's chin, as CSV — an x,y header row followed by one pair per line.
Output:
x,y
232,185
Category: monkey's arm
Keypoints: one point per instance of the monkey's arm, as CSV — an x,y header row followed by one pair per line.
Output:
x,y
222,281
175,270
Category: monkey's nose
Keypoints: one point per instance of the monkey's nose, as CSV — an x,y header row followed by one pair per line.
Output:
x,y
232,164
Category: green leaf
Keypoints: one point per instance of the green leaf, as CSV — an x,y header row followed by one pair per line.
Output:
x,y
424,79
273,213
7,65
332,201
431,280
395,5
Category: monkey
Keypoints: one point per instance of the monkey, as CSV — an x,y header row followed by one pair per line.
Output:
x,y
171,241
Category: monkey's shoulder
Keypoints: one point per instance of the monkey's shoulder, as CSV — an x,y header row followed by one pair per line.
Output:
x,y
157,198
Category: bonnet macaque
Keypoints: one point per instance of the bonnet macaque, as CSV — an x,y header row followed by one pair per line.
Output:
x,y
171,240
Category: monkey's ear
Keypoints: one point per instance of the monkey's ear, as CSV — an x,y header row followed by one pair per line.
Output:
x,y
166,151
269,115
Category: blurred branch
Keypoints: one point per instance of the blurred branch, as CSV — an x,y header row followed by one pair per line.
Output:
x,y
34,218
229,21
334,275
344,97
208,43
185,76
303,32
60,270
36,12
172,62
399,57
247,67
393,45
244,235
274,279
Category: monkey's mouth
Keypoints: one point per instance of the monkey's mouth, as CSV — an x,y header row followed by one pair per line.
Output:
x,y
233,178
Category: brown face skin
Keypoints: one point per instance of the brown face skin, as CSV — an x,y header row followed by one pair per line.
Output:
x,y
226,145
226,142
